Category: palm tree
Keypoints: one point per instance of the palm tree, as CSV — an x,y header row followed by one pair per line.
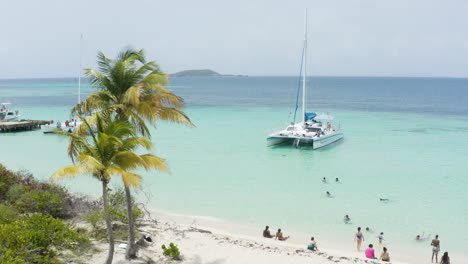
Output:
x,y
132,89
108,151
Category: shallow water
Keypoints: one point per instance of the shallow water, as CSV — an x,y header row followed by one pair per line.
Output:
x,y
222,168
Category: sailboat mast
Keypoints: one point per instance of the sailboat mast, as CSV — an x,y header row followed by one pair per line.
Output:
x,y
304,75
79,75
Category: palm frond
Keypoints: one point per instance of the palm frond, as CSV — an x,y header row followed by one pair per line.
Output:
x,y
69,171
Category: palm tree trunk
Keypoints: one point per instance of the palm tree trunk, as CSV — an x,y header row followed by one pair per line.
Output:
x,y
131,248
110,235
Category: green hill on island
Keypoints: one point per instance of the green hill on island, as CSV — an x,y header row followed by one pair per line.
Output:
x,y
202,73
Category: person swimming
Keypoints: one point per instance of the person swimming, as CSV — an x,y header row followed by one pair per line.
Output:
x,y
324,179
336,180
328,194
346,219
421,237
384,200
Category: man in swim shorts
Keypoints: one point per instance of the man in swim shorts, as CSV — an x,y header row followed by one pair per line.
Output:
x,y
435,248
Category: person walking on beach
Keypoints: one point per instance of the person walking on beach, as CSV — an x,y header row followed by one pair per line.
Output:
x,y
312,245
445,259
435,248
385,256
359,238
279,236
266,232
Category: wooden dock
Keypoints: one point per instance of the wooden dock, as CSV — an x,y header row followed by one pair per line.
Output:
x,y
22,125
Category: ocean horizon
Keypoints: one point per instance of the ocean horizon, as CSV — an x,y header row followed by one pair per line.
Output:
x,y
405,140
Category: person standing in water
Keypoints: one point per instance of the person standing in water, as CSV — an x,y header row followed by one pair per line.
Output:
x,y
435,248
381,237
359,237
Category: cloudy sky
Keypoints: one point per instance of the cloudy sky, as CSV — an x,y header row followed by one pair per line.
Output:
x,y
255,37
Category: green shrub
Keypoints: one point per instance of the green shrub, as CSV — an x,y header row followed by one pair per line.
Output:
x,y
27,200
172,251
117,210
34,239
7,214
95,218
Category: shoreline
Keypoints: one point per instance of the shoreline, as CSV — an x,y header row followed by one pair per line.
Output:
x,y
327,247
209,240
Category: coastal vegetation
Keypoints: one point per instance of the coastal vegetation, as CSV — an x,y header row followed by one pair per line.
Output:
x,y
108,151
130,96
32,220
131,89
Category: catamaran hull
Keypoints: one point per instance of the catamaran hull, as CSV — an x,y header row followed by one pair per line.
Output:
x,y
326,140
314,142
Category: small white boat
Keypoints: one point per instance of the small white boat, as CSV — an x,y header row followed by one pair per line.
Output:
x,y
311,130
6,114
68,126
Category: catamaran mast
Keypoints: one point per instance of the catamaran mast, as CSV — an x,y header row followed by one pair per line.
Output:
x,y
304,75
79,75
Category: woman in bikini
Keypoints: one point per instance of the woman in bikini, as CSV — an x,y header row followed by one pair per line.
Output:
x,y
359,238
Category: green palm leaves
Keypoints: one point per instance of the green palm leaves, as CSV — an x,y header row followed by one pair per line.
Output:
x,y
107,151
133,90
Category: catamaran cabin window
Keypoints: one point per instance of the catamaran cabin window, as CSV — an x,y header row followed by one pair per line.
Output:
x,y
290,129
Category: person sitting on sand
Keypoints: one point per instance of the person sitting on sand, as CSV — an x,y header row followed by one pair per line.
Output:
x,y
385,256
312,245
266,232
370,252
346,219
279,236
445,259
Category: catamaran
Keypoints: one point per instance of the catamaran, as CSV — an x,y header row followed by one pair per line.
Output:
x,y
6,114
311,130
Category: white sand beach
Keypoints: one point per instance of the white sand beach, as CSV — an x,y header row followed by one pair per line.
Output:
x,y
204,240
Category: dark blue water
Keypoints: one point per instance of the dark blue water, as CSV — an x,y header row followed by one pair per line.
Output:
x,y
440,96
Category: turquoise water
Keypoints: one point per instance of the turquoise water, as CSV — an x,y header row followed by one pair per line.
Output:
x,y
222,168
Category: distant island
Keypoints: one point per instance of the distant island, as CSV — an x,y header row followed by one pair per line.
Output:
x,y
202,73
